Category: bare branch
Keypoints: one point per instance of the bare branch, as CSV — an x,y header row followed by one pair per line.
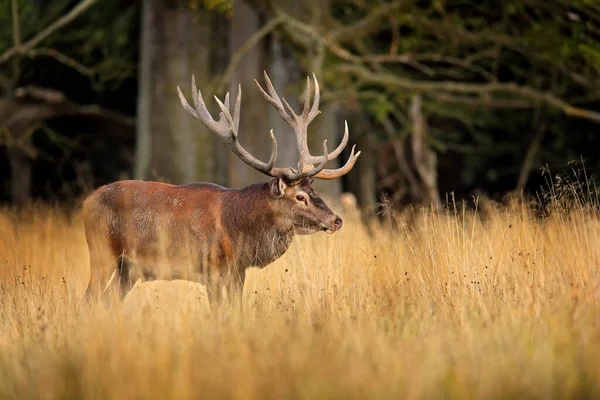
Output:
x,y
532,152
366,25
301,33
390,80
244,49
304,35
58,24
409,58
485,102
37,104
16,66
63,59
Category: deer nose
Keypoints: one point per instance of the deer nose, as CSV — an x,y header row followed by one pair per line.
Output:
x,y
337,222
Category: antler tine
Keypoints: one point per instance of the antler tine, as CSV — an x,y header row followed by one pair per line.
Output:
x,y
314,111
319,167
185,104
273,98
201,109
336,173
270,87
195,93
226,102
273,158
290,110
238,104
226,114
338,150
306,98
239,150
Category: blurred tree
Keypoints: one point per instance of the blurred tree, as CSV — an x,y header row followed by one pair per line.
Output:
x,y
224,44
439,95
483,72
246,21
274,55
178,39
95,46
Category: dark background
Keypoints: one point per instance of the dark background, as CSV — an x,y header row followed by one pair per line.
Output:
x,y
501,91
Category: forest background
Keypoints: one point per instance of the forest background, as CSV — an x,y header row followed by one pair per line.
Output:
x,y
442,97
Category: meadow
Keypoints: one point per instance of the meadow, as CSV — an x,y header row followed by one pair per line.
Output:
x,y
494,303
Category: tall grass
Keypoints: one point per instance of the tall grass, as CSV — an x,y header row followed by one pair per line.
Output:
x,y
492,304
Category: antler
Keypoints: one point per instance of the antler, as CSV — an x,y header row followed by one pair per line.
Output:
x,y
227,129
299,123
227,126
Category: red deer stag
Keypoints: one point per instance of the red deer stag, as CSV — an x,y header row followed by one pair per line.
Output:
x,y
151,230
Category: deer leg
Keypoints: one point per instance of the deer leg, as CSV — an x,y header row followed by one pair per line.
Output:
x,y
120,283
124,266
100,273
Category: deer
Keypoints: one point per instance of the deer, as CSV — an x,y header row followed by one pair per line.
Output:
x,y
141,230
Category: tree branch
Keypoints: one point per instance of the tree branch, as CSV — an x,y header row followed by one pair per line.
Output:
x,y
33,104
408,58
58,24
300,31
531,153
63,59
366,25
303,34
390,80
16,33
485,102
244,49
94,110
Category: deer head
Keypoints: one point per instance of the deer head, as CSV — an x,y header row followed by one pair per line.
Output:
x,y
291,190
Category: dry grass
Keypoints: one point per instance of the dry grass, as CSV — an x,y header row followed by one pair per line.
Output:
x,y
453,307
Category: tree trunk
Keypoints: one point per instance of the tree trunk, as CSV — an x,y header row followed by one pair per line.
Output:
x,y
361,180
220,29
175,44
283,70
144,101
254,128
329,124
365,168
424,158
21,167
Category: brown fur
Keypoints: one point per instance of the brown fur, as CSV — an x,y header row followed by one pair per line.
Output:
x,y
200,231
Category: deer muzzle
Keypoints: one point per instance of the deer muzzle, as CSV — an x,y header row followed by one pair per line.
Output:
x,y
336,225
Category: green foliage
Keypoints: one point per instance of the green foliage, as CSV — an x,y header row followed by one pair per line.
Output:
x,y
98,44
549,47
222,6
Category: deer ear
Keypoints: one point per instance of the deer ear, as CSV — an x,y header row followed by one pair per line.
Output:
x,y
278,187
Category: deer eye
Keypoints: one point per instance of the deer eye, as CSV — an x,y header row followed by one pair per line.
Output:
x,y
300,197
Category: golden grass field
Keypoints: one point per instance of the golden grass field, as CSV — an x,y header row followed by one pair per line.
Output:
x,y
458,305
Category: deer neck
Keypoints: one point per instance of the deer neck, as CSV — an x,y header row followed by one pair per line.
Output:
x,y
256,231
